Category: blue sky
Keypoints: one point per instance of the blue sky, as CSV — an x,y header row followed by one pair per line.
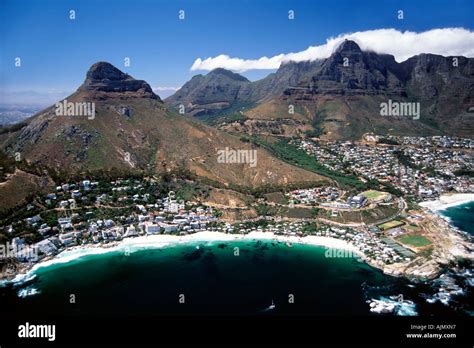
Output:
x,y
56,51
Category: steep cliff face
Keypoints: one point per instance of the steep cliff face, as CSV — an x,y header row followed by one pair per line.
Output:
x,y
429,78
343,93
345,99
347,89
349,71
105,80
446,83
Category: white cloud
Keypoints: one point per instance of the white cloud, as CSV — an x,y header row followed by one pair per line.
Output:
x,y
402,45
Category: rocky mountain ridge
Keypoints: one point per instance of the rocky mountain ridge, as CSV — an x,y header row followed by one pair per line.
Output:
x,y
444,87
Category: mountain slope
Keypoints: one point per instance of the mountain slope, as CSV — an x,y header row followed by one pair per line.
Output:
x,y
341,96
346,100
132,129
217,90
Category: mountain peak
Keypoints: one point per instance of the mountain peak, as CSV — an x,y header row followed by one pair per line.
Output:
x,y
348,45
228,73
211,93
105,71
104,77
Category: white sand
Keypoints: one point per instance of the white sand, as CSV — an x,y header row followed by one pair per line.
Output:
x,y
448,200
162,240
208,236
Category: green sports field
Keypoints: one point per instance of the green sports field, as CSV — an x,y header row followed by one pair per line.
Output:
x,y
390,224
415,240
373,195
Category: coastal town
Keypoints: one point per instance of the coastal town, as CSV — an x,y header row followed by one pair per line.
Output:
x,y
420,167
91,212
103,213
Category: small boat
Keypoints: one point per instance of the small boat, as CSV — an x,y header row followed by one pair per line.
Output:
x,y
288,244
272,306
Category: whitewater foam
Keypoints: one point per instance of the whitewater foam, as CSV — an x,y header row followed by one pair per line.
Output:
x,y
28,292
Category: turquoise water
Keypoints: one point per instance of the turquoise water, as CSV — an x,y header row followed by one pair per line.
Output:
x,y
216,282
461,216
212,279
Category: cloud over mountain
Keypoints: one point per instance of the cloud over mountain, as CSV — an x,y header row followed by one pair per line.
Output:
x,y
402,45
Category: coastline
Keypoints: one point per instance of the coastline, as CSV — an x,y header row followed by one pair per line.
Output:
x,y
447,200
428,270
131,245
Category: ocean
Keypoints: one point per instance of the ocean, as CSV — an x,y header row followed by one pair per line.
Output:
x,y
461,216
207,278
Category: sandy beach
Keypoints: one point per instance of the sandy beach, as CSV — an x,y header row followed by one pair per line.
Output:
x,y
448,200
130,245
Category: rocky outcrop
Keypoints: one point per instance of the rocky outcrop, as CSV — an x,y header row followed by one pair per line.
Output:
x,y
350,71
436,79
444,85
106,80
